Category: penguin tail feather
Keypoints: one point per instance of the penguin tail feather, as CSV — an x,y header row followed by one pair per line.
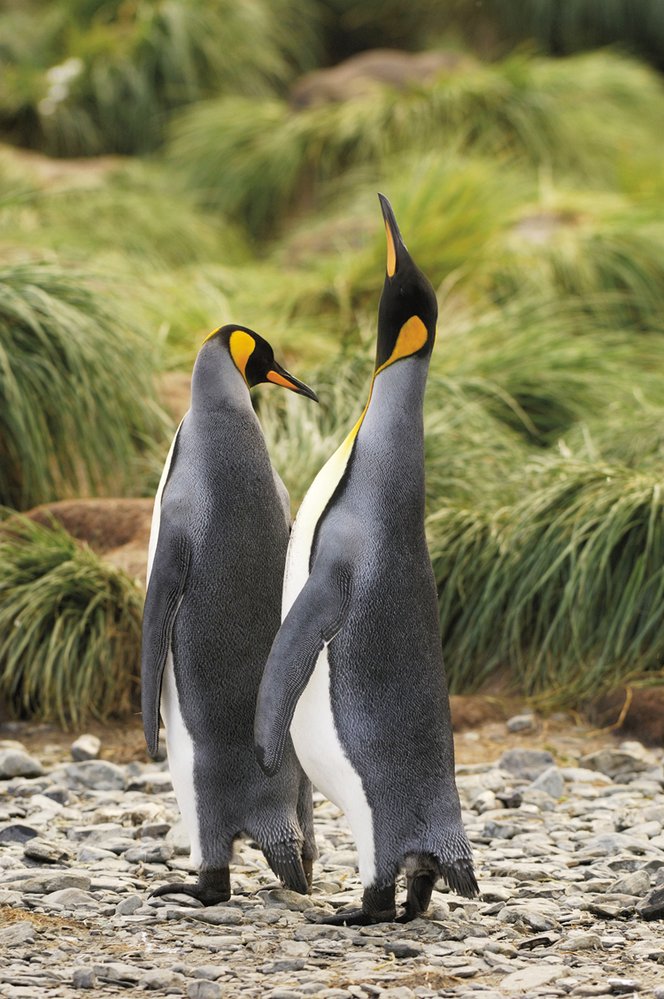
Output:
x,y
460,876
287,865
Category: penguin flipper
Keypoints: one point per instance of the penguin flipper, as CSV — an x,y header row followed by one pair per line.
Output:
x,y
165,590
318,614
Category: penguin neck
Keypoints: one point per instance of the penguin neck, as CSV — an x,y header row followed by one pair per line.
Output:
x,y
217,384
396,399
390,432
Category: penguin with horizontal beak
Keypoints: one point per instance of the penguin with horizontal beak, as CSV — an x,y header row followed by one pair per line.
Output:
x,y
216,560
356,672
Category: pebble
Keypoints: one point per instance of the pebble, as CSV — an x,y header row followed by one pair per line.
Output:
x,y
16,762
570,863
86,747
522,723
526,763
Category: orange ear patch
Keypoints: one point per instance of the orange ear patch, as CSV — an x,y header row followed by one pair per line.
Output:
x,y
241,346
412,337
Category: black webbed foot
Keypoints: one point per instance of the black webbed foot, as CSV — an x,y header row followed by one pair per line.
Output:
x,y
213,886
377,907
419,889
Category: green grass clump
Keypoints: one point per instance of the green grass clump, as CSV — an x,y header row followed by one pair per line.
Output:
x,y
76,397
585,243
106,76
131,212
259,160
564,588
70,626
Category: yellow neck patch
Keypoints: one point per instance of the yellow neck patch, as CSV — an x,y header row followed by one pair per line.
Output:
x,y
412,337
241,346
391,252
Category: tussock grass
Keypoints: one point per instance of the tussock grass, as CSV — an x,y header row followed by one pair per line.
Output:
x,y
70,627
585,243
76,399
110,74
563,588
259,160
133,213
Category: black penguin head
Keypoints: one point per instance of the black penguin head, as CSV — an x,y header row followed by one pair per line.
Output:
x,y
254,358
408,308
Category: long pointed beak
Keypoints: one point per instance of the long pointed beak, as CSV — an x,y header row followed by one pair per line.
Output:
x,y
279,376
396,248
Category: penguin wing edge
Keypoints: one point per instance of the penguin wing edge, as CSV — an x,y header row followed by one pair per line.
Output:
x,y
317,615
165,590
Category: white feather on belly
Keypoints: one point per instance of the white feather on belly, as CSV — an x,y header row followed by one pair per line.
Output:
x,y
179,744
313,730
180,748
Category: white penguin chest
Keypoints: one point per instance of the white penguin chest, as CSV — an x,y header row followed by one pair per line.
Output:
x,y
313,729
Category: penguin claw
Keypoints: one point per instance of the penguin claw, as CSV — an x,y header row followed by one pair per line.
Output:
x,y
208,896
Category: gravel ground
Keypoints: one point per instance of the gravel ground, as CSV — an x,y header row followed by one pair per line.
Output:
x,y
567,828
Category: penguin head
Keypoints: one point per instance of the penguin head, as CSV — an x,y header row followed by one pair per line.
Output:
x,y
254,358
408,308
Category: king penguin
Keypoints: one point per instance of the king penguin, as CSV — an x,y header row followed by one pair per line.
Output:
x,y
356,670
215,570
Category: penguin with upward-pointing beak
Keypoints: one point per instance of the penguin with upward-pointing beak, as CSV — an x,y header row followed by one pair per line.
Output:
x,y
356,671
215,571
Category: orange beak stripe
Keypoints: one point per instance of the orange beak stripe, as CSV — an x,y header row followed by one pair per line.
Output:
x,y
274,376
391,252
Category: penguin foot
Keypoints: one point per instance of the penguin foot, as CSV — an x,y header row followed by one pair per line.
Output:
x,y
419,889
377,907
213,886
357,917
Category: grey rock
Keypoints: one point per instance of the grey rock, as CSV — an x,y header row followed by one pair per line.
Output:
x,y
499,830
637,883
526,763
45,852
118,971
55,881
218,915
17,832
402,948
581,941
616,762
202,989
83,978
86,747
652,907
532,977
16,934
71,898
178,839
18,763
287,899
161,979
154,830
551,781
98,775
149,853
522,723
129,905
623,986
210,971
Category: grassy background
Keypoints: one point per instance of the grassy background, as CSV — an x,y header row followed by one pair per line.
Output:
x,y
528,181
